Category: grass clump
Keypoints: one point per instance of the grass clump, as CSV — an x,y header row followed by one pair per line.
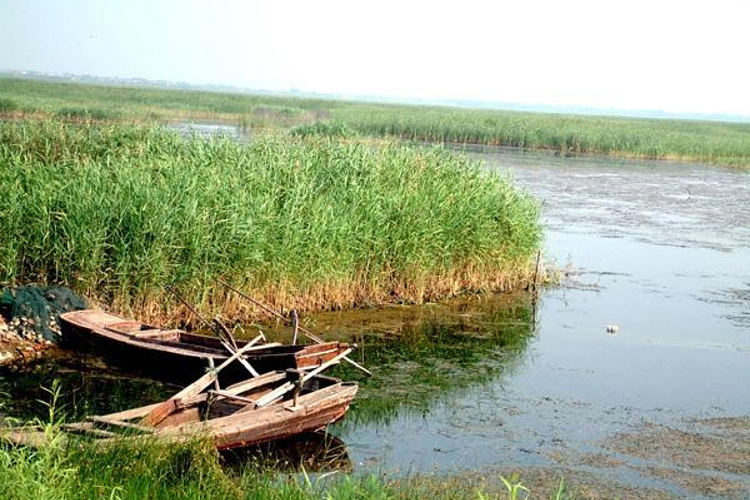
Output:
x,y
116,212
8,105
709,142
86,114
335,129
147,469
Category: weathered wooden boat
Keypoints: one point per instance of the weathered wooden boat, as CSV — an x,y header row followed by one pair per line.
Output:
x,y
177,354
272,406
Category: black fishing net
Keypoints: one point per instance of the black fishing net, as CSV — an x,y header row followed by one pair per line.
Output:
x,y
34,311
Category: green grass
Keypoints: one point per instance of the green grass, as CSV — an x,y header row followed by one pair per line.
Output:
x,y
85,114
325,129
702,141
146,469
140,103
77,469
116,212
8,105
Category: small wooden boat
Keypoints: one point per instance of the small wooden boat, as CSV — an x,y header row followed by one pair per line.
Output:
x,y
178,354
272,406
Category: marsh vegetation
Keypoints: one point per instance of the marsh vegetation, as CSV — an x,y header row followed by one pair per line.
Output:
x,y
116,212
691,140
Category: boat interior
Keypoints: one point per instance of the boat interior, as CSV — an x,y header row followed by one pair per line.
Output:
x,y
181,338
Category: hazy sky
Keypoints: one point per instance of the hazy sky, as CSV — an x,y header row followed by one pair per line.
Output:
x,y
676,56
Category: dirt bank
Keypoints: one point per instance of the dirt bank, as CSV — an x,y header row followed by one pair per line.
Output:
x,y
16,350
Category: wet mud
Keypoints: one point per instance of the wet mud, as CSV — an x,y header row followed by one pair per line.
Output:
x,y
710,457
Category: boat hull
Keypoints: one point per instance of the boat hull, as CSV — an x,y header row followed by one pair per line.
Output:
x,y
231,427
181,360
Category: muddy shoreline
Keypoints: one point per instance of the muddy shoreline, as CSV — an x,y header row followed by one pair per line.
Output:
x,y
16,351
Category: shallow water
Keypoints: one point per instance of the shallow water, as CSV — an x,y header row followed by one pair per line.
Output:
x,y
497,383
209,129
660,249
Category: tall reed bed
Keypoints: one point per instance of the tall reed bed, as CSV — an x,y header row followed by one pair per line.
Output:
x,y
710,142
157,104
117,212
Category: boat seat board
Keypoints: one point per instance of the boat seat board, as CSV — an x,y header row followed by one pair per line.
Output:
x,y
157,333
124,326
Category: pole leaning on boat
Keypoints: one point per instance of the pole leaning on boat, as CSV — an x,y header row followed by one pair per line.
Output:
x,y
286,320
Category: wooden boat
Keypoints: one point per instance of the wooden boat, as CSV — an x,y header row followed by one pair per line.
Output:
x,y
272,406
180,355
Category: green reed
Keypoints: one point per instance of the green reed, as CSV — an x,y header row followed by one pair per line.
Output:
x,y
710,142
116,212
86,114
7,106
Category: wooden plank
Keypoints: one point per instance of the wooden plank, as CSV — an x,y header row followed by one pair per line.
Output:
x,y
120,423
124,326
181,417
22,437
226,332
309,335
315,412
229,395
261,347
88,428
212,367
247,385
132,413
155,333
164,409
160,412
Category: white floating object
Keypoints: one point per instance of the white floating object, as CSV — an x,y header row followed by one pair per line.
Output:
x,y
613,329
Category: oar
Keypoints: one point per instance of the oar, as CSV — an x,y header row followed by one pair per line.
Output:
x,y
204,321
308,334
219,327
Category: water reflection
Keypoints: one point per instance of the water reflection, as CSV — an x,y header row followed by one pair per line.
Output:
x,y
88,386
435,351
210,130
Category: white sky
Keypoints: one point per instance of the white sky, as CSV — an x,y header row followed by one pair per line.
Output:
x,y
675,56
